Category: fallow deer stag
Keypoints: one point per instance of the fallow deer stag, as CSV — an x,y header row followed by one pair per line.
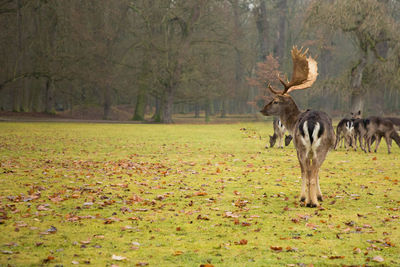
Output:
x,y
312,131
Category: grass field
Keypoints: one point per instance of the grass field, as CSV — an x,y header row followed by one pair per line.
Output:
x,y
187,195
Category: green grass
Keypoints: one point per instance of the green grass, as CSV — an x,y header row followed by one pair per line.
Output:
x,y
186,195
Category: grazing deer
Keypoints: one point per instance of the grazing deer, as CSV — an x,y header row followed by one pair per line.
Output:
x,y
360,132
279,133
360,129
379,127
345,132
312,131
395,121
288,139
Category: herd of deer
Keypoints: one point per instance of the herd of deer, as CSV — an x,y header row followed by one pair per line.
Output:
x,y
349,130
312,131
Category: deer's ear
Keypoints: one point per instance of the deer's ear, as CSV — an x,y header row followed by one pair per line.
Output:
x,y
281,97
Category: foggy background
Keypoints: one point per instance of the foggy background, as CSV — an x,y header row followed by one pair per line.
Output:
x,y
155,59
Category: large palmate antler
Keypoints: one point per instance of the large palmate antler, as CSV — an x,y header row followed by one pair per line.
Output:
x,y
305,72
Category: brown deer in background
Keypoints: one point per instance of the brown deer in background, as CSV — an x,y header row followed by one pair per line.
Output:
x,y
312,131
360,129
378,127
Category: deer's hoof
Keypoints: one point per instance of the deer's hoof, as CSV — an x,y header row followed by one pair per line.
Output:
x,y
320,198
302,199
311,205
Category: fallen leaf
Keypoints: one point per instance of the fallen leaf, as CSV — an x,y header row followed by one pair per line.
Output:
x,y
241,242
118,258
377,259
276,248
52,230
336,257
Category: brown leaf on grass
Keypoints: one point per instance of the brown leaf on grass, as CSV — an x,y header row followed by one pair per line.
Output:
x,y
230,214
56,199
43,207
111,220
197,194
336,257
246,224
142,264
200,217
295,220
241,242
206,265
177,253
241,203
134,218
290,249
48,259
311,225
275,248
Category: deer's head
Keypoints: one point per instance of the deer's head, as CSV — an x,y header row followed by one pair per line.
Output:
x,y
356,115
305,73
272,140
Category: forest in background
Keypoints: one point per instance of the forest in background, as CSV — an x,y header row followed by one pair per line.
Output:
x,y
157,58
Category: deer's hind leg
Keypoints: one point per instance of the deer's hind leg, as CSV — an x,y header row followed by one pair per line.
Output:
x,y
315,190
378,141
303,176
388,142
319,193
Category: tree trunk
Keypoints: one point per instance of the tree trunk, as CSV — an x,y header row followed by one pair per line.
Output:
x,y
263,30
207,110
50,107
197,110
107,103
280,45
157,113
168,105
140,108
16,95
357,91
223,108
